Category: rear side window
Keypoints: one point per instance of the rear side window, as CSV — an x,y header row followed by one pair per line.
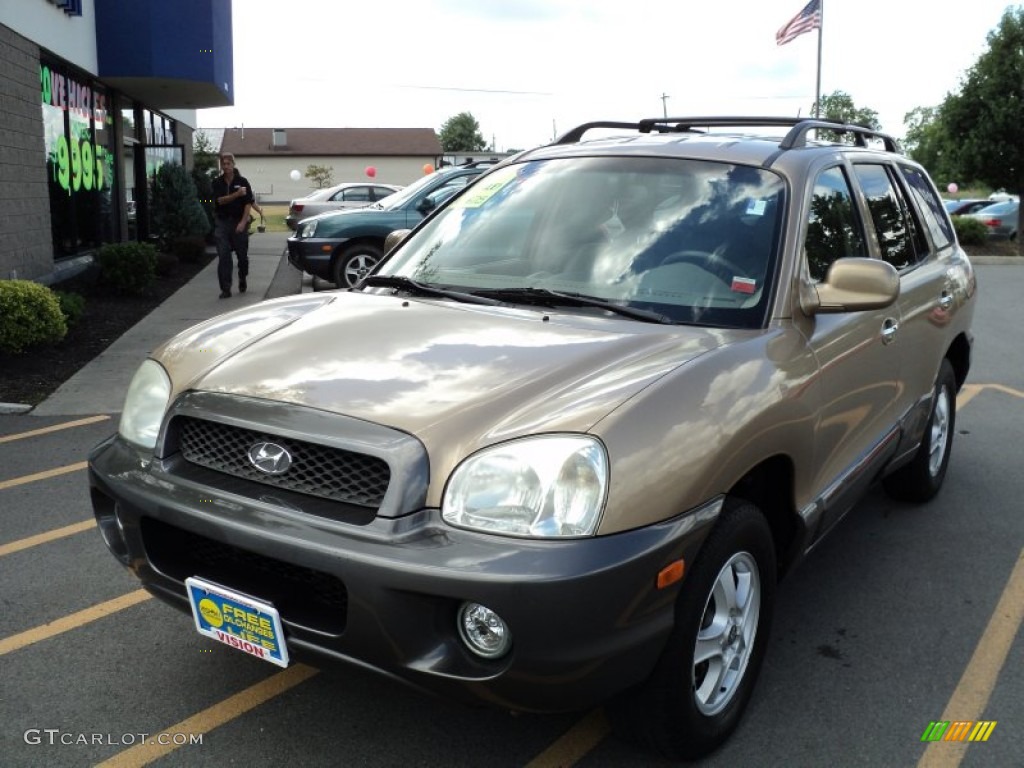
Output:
x,y
357,195
928,202
834,230
898,239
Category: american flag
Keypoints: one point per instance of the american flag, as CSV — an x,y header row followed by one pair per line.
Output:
x,y
809,18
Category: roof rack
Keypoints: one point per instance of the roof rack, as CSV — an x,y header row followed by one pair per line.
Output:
x,y
795,137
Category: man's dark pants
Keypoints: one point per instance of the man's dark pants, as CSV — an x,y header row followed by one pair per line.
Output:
x,y
229,240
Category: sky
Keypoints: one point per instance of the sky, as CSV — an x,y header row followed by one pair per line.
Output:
x,y
529,70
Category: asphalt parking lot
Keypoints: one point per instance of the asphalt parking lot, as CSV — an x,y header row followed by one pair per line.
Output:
x,y
905,616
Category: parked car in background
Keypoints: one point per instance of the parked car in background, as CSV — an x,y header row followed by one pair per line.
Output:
x,y
557,449
960,207
1002,219
351,194
342,246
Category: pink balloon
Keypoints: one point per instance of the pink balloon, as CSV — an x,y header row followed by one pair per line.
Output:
x,y
371,171
953,188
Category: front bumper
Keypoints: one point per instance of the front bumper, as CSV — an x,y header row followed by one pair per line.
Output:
x,y
586,617
312,255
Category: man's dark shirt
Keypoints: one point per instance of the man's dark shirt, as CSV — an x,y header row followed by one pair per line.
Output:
x,y
233,210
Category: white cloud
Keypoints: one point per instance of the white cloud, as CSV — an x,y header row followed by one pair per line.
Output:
x,y
531,68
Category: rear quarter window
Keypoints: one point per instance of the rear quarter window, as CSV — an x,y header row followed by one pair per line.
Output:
x,y
934,216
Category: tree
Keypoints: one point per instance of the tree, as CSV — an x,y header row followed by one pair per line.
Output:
x,y
321,175
986,118
839,106
178,215
461,133
927,141
205,167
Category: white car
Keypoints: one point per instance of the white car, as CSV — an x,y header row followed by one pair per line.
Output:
x,y
350,194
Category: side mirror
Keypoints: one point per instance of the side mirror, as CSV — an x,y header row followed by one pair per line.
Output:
x,y
394,238
852,285
426,205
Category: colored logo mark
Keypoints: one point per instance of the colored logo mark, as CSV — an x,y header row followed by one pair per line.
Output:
x,y
958,730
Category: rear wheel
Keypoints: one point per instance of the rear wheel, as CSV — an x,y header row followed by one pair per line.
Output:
x,y
354,263
922,478
697,693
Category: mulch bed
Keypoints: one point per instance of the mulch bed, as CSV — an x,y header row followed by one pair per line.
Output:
x,y
32,377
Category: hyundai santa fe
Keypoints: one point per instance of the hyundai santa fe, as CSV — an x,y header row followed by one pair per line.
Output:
x,y
560,445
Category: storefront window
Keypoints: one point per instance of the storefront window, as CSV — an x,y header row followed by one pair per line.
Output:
x,y
79,160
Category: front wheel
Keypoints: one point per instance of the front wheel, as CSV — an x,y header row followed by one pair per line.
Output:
x,y
697,693
355,263
922,478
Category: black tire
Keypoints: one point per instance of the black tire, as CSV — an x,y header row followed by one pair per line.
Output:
x,y
354,263
680,711
922,478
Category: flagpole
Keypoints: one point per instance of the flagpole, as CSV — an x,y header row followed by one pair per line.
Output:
x,y
817,87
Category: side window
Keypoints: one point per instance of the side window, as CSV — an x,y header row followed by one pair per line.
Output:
x,y
833,228
898,240
379,193
930,206
358,194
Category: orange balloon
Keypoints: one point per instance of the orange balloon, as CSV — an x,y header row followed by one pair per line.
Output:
x,y
371,171
428,169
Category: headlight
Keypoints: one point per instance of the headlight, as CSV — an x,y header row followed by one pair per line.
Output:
x,y
144,405
545,487
308,228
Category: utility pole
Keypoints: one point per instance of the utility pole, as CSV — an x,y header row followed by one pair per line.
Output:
x,y
664,105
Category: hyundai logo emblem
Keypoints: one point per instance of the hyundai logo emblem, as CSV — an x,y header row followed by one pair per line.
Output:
x,y
270,458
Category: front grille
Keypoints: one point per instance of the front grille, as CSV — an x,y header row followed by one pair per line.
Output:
x,y
302,595
317,470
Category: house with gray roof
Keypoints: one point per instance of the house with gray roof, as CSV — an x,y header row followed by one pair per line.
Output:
x,y
268,156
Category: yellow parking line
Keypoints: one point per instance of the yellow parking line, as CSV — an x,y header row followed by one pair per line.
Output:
x,y
967,393
71,621
54,428
205,721
979,678
4,484
574,743
43,538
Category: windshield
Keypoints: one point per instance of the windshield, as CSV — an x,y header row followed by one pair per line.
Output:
x,y
694,241
402,196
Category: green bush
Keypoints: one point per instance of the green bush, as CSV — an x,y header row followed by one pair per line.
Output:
x,y
72,306
189,249
970,231
128,269
166,264
29,315
176,210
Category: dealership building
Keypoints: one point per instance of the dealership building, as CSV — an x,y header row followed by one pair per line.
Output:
x,y
96,95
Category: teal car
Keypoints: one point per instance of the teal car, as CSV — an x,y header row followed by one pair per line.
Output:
x,y
343,246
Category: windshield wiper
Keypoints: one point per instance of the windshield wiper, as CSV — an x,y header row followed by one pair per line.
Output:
x,y
554,298
422,289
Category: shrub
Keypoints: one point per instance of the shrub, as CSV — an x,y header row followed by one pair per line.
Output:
x,y
166,264
128,269
176,209
189,249
970,231
72,306
29,314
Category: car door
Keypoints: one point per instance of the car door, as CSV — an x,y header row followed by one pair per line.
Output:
x,y
858,360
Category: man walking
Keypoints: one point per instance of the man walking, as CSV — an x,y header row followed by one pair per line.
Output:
x,y
233,199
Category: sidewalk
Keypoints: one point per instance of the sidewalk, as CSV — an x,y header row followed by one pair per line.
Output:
x,y
100,386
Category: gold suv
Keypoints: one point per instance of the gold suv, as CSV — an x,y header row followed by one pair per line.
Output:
x,y
562,442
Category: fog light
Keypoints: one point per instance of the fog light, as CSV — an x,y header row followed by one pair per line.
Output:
x,y
105,510
483,631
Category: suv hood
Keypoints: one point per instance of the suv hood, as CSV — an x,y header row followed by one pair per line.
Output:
x,y
447,370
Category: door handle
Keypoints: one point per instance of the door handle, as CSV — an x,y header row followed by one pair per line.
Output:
x,y
946,300
889,328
